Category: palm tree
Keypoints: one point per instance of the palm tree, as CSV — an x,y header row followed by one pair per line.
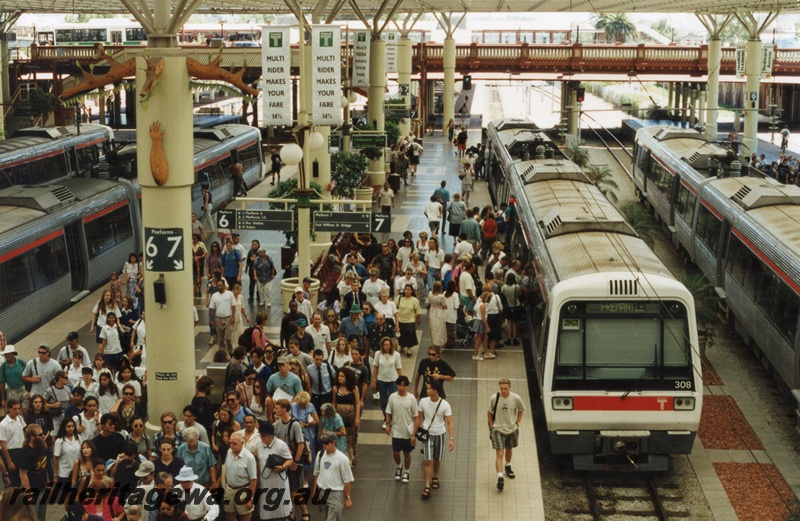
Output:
x,y
578,154
618,26
603,179
641,222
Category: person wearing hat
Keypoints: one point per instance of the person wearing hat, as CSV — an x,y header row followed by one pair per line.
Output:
x,y
304,340
193,497
354,325
304,305
12,386
333,477
146,475
57,398
39,373
65,355
273,478
284,379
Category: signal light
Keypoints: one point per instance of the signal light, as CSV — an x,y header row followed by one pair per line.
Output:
x,y
580,94
466,83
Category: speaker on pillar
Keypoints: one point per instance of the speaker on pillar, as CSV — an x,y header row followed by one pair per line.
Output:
x,y
580,94
466,82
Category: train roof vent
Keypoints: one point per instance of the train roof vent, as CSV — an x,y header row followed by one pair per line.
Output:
x,y
45,132
563,220
623,288
217,134
666,133
550,169
44,198
758,193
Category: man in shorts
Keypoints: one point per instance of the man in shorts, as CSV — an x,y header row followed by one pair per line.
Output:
x,y
401,411
505,415
240,473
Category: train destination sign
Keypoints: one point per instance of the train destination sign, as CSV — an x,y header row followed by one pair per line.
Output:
x,y
368,139
163,249
276,220
621,308
359,222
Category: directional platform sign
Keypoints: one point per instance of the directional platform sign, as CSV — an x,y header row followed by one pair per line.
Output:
x,y
381,222
163,249
358,222
368,139
395,112
277,220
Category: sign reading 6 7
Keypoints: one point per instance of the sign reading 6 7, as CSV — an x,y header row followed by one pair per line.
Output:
x,y
163,249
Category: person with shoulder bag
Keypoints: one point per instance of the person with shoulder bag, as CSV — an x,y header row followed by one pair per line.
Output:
x,y
437,414
505,414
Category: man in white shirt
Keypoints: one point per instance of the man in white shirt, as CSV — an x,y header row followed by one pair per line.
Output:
x,y
190,413
198,503
240,473
436,416
223,311
304,305
505,414
386,198
320,333
12,438
401,411
373,286
433,211
466,287
463,248
65,354
333,478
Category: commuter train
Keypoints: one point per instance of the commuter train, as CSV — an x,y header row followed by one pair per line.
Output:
x,y
59,241
742,232
614,342
39,155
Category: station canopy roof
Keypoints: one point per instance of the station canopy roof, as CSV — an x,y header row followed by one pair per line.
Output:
x,y
368,7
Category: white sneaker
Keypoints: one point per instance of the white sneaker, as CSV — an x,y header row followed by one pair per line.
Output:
x,y
490,355
478,358
383,426
405,477
269,304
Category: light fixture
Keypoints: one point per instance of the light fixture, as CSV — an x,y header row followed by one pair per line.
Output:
x,y
291,154
345,102
353,97
315,141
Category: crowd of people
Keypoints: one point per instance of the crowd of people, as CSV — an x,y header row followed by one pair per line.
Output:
x,y
289,403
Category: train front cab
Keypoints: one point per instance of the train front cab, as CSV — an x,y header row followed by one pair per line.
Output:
x,y
631,397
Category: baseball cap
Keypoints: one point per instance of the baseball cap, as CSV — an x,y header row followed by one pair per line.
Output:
x,y
145,469
298,289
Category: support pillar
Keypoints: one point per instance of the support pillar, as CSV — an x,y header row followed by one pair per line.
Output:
x,y
171,357
5,78
101,107
702,103
404,54
377,89
684,103
574,114
751,95
448,87
693,105
712,103
670,97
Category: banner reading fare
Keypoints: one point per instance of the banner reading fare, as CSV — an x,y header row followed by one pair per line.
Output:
x,y
276,62
361,59
326,74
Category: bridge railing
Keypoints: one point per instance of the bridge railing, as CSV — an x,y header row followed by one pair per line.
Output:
x,y
637,58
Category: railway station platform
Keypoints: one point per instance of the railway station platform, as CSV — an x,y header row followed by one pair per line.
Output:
x,y
468,478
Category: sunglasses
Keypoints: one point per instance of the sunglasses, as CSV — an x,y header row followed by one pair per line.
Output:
x,y
433,354
231,400
268,352
167,422
128,394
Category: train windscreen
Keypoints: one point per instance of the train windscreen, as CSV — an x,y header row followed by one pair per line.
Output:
x,y
623,346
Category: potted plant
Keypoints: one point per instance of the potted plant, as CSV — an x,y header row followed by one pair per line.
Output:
x,y
705,309
347,173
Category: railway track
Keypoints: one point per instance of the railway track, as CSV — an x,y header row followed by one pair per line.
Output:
x,y
624,497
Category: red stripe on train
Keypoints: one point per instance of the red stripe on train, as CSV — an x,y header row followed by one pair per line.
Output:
x,y
616,403
31,245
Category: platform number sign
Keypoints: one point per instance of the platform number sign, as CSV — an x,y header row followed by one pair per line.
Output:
x,y
381,222
163,249
226,219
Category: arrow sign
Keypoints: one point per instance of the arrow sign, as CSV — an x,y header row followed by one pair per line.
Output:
x,y
342,222
164,249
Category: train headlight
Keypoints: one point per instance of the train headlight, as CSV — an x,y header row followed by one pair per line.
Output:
x,y
684,403
562,403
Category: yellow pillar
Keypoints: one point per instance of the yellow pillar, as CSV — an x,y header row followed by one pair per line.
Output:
x,y
753,77
377,88
404,55
448,99
170,328
712,103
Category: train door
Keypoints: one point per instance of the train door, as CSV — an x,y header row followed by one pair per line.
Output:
x,y
76,253
116,37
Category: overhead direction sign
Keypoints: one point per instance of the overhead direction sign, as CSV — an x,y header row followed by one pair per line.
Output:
x,y
397,112
381,222
368,139
163,249
357,222
276,220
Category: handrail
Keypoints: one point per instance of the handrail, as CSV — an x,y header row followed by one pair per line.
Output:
x,y
8,111
572,58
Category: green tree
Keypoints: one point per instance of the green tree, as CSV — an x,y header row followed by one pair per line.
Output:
x,y
84,17
603,179
578,154
664,27
641,222
42,103
733,33
347,172
618,26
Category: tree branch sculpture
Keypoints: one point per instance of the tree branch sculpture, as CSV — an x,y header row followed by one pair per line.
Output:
x,y
117,72
213,71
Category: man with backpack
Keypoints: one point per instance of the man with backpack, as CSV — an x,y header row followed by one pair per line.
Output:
x,y
290,431
264,271
505,414
234,373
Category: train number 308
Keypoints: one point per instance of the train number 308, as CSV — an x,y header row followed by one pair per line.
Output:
x,y
683,384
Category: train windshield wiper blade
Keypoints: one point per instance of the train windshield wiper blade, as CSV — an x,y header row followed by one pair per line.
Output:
x,y
639,380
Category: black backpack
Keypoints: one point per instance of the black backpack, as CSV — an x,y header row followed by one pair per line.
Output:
x,y
246,338
305,458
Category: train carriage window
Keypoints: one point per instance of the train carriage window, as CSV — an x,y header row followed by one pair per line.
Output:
x,y
249,157
641,157
64,35
785,310
108,230
135,34
685,204
34,269
88,158
708,229
661,177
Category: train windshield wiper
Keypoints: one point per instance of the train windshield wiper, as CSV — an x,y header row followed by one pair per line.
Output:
x,y
639,380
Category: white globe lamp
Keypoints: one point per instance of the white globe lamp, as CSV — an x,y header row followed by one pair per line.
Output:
x,y
291,154
315,141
